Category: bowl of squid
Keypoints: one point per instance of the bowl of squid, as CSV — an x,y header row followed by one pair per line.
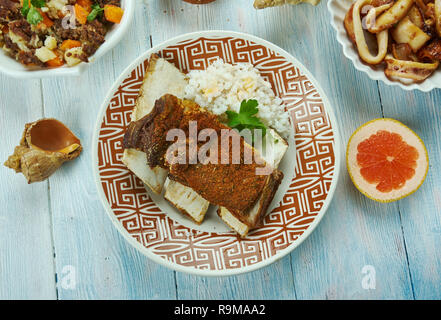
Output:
x,y
395,41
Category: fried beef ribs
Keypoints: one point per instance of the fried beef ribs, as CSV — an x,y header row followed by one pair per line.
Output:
x,y
235,186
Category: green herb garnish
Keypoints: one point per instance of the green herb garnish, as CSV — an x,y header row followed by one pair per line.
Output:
x,y
25,8
34,16
246,118
96,10
38,3
29,11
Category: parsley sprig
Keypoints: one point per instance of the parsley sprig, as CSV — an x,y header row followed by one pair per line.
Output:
x,y
29,10
246,118
96,11
25,8
38,3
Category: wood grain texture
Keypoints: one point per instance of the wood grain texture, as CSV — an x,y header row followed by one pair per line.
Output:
x,y
421,213
64,215
26,252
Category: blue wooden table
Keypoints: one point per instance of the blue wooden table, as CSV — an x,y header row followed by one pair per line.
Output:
x,y
56,241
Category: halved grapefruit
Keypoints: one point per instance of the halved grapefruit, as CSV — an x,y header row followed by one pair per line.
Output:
x,y
386,160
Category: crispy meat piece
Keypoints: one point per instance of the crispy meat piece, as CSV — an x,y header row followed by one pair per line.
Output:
x,y
25,57
21,28
91,34
245,221
11,46
233,186
160,77
9,11
29,58
149,133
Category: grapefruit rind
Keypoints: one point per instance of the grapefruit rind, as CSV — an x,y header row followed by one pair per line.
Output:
x,y
409,136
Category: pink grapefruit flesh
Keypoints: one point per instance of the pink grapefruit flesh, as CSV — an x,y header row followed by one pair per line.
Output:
x,y
386,160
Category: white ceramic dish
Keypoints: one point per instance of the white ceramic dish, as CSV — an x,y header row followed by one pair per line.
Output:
x,y
338,9
311,166
15,69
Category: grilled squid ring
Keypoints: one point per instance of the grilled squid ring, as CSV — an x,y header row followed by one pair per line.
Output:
x,y
438,16
373,13
394,14
362,47
416,71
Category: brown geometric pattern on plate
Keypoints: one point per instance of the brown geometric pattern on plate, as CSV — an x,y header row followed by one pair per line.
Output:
x,y
314,139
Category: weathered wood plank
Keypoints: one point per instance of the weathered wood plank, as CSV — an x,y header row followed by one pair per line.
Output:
x,y
26,253
421,212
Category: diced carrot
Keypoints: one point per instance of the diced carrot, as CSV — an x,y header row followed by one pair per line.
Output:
x,y
86,4
81,14
69,44
113,13
55,62
29,1
46,20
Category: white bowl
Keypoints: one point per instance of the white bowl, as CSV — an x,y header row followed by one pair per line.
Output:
x,y
15,69
338,9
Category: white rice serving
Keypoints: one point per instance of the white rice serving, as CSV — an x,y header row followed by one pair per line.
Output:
x,y
223,86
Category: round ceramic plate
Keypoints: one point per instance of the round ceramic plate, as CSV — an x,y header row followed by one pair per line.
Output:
x,y
310,167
